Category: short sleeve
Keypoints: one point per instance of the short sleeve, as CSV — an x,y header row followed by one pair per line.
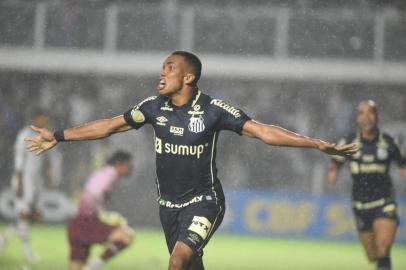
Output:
x,y
231,118
340,159
399,155
140,114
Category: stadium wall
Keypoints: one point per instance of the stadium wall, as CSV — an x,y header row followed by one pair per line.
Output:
x,y
295,215
220,66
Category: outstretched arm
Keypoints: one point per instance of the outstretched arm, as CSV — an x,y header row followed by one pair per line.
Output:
x,y
274,135
45,140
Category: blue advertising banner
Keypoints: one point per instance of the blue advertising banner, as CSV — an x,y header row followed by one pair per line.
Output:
x,y
295,215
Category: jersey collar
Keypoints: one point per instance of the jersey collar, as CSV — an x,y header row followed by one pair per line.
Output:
x,y
377,138
196,97
192,102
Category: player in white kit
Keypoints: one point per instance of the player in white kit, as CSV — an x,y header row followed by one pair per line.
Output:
x,y
30,171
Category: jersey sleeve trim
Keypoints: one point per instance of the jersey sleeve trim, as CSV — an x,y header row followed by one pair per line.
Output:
x,y
232,117
128,118
151,98
244,120
226,107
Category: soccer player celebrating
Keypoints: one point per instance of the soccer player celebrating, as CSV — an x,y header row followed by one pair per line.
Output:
x,y
94,224
27,183
187,123
373,199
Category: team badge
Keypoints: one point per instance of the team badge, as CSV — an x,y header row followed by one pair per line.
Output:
x,y
382,153
137,116
196,122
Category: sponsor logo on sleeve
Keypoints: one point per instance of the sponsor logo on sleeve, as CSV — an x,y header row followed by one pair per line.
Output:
x,y
227,107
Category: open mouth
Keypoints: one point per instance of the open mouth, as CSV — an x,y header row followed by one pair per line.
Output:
x,y
368,124
161,84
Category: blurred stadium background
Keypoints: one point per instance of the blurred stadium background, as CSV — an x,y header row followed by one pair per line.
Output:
x,y
302,64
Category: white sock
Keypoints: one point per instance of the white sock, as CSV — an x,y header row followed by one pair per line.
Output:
x,y
22,229
95,264
23,233
5,237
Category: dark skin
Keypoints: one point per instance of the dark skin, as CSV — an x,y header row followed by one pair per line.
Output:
x,y
177,82
377,242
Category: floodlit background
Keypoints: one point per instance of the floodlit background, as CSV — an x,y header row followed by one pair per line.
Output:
x,y
301,64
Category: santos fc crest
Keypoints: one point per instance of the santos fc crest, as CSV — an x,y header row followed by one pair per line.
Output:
x,y
196,122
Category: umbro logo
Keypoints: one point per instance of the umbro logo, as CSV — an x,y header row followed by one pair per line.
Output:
x,y
161,120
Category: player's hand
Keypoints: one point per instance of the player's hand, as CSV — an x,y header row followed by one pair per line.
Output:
x,y
44,141
337,150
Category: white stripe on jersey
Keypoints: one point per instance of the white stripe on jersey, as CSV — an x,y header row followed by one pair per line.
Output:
x,y
196,98
159,190
157,179
211,165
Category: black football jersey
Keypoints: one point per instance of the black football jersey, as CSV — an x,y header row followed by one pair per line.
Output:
x,y
370,166
185,142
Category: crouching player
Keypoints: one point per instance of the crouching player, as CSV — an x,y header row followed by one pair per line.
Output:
x,y
94,224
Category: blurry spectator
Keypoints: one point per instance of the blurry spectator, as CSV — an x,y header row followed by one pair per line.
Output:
x,y
28,181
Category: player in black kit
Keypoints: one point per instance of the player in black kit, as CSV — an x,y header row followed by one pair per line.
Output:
x,y
187,123
373,199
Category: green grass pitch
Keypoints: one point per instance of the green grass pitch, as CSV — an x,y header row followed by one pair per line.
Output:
x,y
224,252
